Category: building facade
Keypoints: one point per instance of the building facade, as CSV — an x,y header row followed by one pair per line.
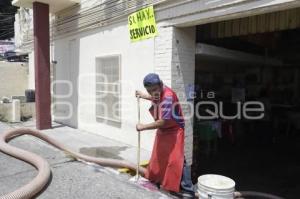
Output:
x,y
91,38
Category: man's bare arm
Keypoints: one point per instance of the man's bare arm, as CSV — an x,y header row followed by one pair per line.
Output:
x,y
143,95
154,125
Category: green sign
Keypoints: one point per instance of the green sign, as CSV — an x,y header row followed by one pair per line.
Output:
x,y
142,24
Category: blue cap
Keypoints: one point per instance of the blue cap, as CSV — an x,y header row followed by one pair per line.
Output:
x,y
151,79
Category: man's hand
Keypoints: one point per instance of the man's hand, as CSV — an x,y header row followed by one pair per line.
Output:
x,y
140,127
142,95
154,125
139,94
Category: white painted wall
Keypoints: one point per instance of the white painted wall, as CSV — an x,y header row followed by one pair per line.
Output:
x,y
31,76
175,63
24,30
8,111
13,78
137,59
183,79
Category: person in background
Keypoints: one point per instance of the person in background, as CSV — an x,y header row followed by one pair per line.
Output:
x,y
167,166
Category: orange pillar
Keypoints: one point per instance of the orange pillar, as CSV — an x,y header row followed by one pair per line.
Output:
x,y
42,65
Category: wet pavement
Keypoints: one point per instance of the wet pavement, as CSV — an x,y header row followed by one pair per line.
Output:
x,y
73,179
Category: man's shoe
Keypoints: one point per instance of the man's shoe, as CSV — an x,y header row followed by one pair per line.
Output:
x,y
184,194
188,195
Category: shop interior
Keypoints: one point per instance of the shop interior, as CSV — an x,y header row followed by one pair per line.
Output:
x,y
260,154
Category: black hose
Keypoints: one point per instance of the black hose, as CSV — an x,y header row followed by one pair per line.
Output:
x,y
256,194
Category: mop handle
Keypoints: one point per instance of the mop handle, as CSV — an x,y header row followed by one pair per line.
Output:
x,y
139,138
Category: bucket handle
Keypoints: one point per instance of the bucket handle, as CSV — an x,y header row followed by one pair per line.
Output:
x,y
209,196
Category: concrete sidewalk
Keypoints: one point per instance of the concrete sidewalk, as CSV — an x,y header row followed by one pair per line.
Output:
x,y
72,179
90,143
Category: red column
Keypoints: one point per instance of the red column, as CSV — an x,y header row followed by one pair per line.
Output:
x,y
42,65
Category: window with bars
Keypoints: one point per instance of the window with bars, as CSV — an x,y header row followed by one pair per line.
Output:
x,y
108,89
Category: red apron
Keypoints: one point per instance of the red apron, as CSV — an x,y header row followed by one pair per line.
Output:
x,y
166,163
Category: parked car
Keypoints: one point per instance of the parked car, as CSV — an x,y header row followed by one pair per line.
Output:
x,y
12,56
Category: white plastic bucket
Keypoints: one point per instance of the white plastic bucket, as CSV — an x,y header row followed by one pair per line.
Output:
x,y
212,186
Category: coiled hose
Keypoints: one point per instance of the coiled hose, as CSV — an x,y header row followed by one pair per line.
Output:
x,y
255,194
33,187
